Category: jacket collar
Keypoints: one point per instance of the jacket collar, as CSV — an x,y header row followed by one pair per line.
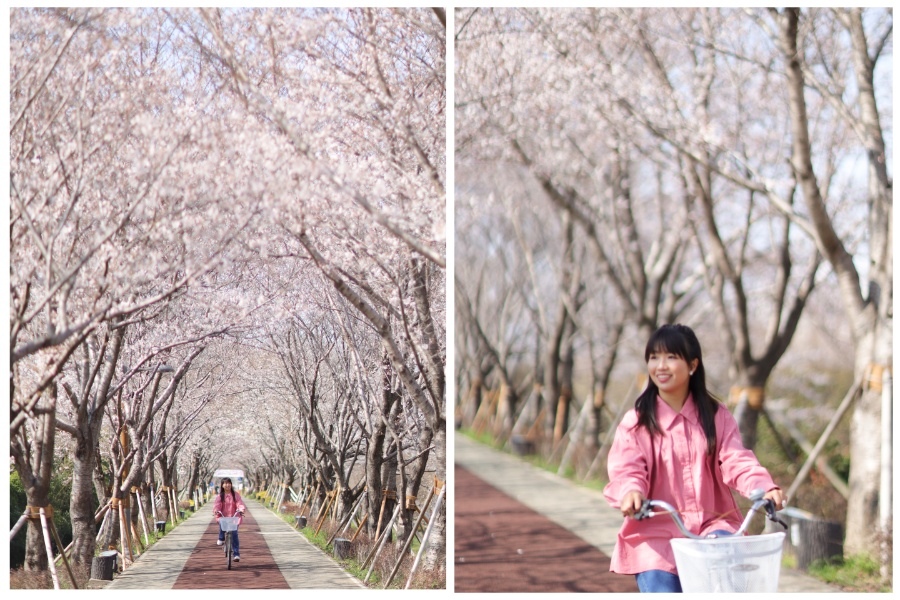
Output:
x,y
666,416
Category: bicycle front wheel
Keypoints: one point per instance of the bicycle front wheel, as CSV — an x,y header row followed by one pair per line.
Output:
x,y
228,549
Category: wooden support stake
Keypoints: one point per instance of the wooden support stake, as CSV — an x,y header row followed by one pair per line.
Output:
x,y
22,520
105,523
124,537
435,512
409,539
820,463
336,505
829,429
360,528
143,518
323,514
386,495
100,513
614,424
48,547
378,547
355,510
309,500
346,522
65,559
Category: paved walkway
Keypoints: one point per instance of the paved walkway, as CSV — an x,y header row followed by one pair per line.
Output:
x,y
301,564
582,511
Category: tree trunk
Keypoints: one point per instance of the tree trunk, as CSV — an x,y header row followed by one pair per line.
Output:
x,y
436,552
81,504
747,398
387,496
32,447
865,455
869,315
375,452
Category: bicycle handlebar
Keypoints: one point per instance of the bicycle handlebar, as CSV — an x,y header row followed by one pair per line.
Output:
x,y
756,496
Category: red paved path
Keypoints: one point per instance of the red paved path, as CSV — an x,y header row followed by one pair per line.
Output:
x,y
501,545
206,568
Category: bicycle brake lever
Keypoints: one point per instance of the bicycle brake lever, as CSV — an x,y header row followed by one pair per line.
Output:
x,y
644,511
770,513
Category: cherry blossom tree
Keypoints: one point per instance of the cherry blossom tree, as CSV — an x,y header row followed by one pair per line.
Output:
x,y
524,110
705,122
172,172
375,150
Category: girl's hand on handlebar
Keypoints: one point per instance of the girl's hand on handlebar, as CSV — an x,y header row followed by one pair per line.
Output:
x,y
631,503
777,497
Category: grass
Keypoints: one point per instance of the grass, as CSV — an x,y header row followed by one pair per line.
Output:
x,y
20,579
859,573
362,546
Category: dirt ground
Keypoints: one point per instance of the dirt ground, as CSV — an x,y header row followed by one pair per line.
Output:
x,y
502,545
206,567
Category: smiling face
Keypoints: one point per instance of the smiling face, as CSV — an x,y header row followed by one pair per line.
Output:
x,y
672,374
226,485
673,354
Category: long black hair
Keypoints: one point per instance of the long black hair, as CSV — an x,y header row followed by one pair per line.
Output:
x,y
681,341
222,489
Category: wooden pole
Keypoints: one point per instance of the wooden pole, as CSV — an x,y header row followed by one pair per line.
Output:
x,y
22,520
804,444
885,497
65,559
385,536
153,504
341,525
142,515
309,500
639,381
410,538
105,523
47,546
355,510
386,495
336,505
102,512
323,514
437,508
359,529
124,533
829,429
572,437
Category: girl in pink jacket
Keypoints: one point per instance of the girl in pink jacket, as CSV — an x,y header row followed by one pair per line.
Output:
x,y
228,503
679,445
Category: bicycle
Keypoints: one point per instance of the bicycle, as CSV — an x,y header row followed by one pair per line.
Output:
x,y
721,562
229,525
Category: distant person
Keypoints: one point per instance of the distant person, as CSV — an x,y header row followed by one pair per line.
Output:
x,y
228,503
679,445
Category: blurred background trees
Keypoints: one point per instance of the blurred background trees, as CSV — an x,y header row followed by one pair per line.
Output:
x,y
617,169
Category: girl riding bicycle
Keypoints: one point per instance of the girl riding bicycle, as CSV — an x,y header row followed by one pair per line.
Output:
x,y
228,503
681,446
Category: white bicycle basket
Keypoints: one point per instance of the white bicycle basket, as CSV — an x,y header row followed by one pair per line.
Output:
x,y
729,564
229,523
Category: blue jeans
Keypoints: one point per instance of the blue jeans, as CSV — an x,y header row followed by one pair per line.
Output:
x,y
234,540
658,581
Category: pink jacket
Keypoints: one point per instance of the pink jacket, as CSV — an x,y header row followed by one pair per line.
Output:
x,y
674,467
229,506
